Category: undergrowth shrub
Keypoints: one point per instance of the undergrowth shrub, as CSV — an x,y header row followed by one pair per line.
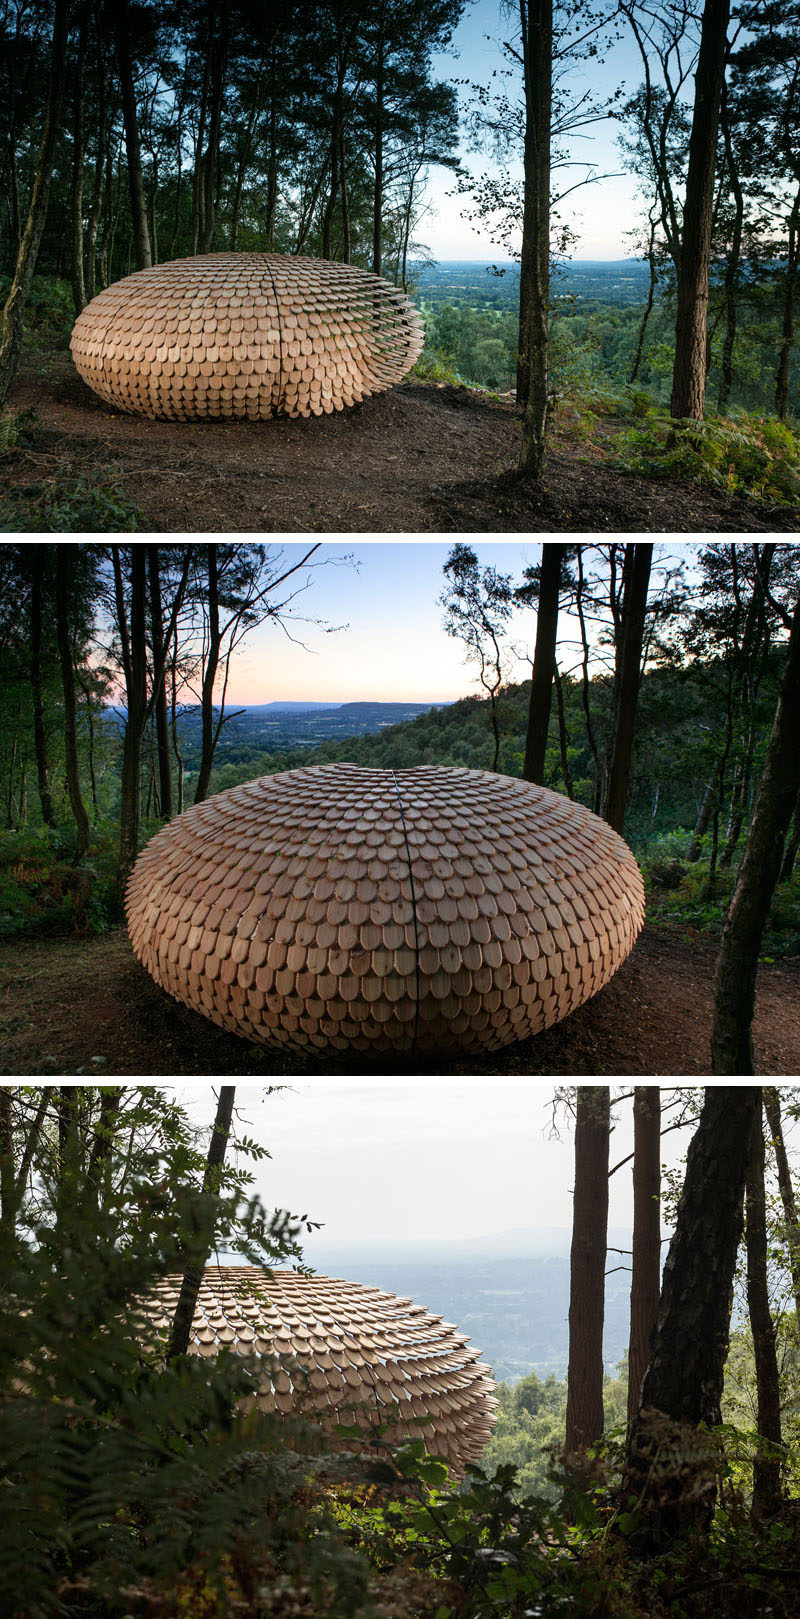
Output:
x,y
42,890
49,311
92,504
743,454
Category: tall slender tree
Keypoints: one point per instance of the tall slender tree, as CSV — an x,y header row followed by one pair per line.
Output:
x,y
193,1274
646,1260
536,28
544,660
628,675
64,580
584,1419
767,1494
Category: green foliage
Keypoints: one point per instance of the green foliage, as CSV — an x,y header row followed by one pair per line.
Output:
x,y
17,427
531,1425
744,455
90,505
49,311
43,891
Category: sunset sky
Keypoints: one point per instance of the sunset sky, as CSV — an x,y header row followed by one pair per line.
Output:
x,y
394,647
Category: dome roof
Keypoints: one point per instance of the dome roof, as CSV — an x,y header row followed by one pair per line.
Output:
x,y
344,1353
425,909
245,334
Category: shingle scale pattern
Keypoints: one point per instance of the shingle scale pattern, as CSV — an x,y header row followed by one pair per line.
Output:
x,y
245,335
342,1352
340,907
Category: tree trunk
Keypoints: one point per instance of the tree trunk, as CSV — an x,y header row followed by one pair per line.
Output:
x,y
78,153
174,732
544,663
141,234
682,1387
193,1274
787,328
792,844
646,1264
14,307
218,52
791,1219
103,1142
209,677
162,727
584,1421
63,583
766,1466
536,18
734,258
648,308
634,608
8,1212
135,666
563,739
737,963
39,739
689,371
377,200
95,210
710,798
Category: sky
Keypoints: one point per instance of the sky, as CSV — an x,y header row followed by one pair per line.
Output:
x,y
601,214
394,647
424,1159
420,1159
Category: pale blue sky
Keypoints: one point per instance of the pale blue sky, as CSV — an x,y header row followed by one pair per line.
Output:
x,y
600,214
394,648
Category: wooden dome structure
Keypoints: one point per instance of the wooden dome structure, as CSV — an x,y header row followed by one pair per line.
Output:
x,y
340,1352
245,335
336,907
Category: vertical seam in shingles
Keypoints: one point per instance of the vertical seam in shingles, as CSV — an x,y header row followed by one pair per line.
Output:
x,y
414,911
281,379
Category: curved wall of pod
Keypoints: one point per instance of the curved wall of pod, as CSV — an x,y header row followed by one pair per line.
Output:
x,y
245,335
425,909
341,1352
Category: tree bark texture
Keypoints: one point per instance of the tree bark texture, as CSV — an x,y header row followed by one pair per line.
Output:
x,y
634,608
737,962
792,844
13,310
134,657
671,1469
162,726
63,592
791,1218
787,327
689,370
734,258
536,17
584,1421
141,233
101,148
766,1467
209,677
544,663
78,154
646,1264
39,737
193,1275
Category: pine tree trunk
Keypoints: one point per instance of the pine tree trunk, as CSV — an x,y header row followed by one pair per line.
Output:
x,y
733,261
135,661
193,1274
209,677
682,1387
141,234
584,1420
101,133
646,1264
787,326
63,584
648,308
536,17
377,200
563,739
737,963
791,1218
162,727
78,154
710,798
544,662
634,608
766,1468
14,307
39,738
689,371
792,845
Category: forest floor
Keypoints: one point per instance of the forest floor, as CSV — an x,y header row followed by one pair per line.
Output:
x,y
72,1006
422,458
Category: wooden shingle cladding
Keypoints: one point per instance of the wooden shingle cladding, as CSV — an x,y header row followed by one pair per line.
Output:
x,y
245,335
341,1352
337,907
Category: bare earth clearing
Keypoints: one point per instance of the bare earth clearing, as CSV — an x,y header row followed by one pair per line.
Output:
x,y
65,1002
420,458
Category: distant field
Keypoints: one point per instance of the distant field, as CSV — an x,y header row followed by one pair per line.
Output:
x,y
620,282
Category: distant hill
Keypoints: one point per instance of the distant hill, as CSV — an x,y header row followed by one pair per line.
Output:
x,y
280,727
509,1292
495,283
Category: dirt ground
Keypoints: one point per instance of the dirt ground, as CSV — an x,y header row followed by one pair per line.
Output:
x,y
420,458
86,1006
